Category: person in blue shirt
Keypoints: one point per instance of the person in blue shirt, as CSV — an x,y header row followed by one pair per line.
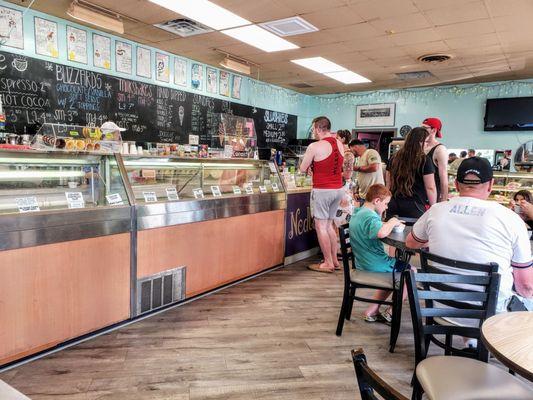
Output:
x,y
366,230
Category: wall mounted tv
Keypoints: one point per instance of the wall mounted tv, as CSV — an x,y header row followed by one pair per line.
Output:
x,y
510,114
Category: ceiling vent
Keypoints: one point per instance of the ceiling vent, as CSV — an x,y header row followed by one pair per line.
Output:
x,y
434,58
301,85
289,26
184,27
414,75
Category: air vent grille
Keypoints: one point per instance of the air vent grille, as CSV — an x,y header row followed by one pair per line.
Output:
x,y
434,58
414,75
289,26
184,27
161,289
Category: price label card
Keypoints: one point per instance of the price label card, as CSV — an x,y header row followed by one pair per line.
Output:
x,y
272,167
237,190
198,193
172,194
73,133
94,134
249,189
75,200
194,139
275,187
228,151
263,189
114,199
149,197
216,191
27,204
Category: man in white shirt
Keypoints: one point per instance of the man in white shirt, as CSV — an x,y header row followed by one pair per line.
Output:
x,y
471,228
368,166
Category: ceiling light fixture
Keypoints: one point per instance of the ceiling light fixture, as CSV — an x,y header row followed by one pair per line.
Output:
x,y
260,38
205,12
331,70
106,20
236,66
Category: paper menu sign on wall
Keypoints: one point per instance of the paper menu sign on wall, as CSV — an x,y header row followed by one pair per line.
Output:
x,y
46,37
123,57
101,51
144,62
76,45
11,27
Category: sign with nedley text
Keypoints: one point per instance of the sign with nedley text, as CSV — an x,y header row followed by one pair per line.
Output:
x,y
299,227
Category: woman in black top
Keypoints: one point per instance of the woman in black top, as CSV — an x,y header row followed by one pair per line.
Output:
x,y
411,178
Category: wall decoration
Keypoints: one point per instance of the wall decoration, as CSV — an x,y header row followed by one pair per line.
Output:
x,y
101,51
223,87
197,76
211,80
236,87
375,115
76,45
180,71
162,70
123,57
144,62
46,37
11,28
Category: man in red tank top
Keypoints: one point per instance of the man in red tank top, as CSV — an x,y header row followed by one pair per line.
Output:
x,y
325,159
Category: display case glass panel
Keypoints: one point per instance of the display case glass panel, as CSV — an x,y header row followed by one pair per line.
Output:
x,y
236,135
41,181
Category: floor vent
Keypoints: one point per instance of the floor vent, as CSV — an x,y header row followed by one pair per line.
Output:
x,y
184,27
161,289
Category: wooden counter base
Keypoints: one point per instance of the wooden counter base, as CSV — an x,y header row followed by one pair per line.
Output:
x,y
53,293
215,252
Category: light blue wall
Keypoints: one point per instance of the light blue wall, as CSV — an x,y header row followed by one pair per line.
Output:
x,y
253,92
461,109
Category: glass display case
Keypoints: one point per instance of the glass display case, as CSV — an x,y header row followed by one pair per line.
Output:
x,y
506,184
155,179
33,181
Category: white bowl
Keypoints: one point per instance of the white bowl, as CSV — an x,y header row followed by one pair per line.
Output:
x,y
398,228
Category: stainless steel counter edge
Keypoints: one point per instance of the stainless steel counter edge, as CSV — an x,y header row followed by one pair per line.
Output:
x,y
35,229
158,215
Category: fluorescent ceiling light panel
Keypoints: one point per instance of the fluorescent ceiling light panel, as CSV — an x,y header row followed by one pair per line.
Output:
x,y
260,38
319,64
347,77
205,12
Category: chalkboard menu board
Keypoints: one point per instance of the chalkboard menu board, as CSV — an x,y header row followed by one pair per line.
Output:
x,y
36,91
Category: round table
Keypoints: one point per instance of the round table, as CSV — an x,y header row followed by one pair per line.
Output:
x,y
508,336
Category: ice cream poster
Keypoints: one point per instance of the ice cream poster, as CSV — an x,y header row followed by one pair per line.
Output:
x,y
76,45
211,80
144,62
197,76
236,89
11,29
123,57
46,38
101,51
223,88
180,72
162,62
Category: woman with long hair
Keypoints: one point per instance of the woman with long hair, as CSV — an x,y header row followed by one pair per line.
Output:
x,y
410,178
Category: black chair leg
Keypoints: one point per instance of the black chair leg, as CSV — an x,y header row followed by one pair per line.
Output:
x,y
417,389
448,343
344,309
396,318
350,303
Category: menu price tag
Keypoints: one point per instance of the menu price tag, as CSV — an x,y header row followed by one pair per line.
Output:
x,y
263,189
149,197
27,204
75,200
74,133
249,189
228,151
216,191
194,139
198,193
237,190
272,167
172,194
275,187
114,199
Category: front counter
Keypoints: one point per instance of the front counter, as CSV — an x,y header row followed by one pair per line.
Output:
x,y
202,224
64,249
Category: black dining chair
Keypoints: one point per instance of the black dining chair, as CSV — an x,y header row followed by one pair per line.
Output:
x,y
370,383
358,279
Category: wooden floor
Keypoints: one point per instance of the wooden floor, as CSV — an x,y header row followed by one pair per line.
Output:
x,y
269,338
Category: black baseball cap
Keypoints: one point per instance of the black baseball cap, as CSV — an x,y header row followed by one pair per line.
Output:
x,y
477,166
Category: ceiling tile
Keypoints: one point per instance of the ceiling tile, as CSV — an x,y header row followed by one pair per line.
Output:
x,y
432,4
257,10
354,32
419,49
333,17
378,54
401,23
414,37
490,39
468,11
462,29
382,42
498,8
375,9
308,6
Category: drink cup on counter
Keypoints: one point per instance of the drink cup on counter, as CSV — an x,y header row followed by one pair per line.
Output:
x,y
517,209
140,150
125,148
133,148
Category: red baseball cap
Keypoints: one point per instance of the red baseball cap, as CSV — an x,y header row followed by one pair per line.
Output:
x,y
435,124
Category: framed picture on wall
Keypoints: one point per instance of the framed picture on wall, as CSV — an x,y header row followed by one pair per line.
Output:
x,y
211,85
236,87
76,45
123,57
144,62
101,51
11,28
162,67
375,115
180,71
46,37
197,76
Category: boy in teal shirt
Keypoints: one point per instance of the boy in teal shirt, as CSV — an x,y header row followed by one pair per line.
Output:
x,y
366,230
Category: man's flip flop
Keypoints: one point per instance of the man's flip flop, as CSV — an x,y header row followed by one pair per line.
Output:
x,y
316,267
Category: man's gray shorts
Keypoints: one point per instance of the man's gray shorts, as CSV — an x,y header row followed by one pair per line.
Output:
x,y
325,202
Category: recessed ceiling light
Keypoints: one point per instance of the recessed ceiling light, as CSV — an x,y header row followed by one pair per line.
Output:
x,y
205,12
260,38
347,77
319,64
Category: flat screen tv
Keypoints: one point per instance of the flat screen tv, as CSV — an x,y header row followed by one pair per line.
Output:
x,y
510,114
